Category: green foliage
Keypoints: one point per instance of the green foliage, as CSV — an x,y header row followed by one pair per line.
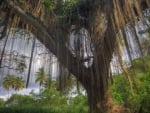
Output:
x,y
50,4
17,100
47,101
67,8
142,91
18,83
80,103
40,110
121,91
11,81
50,97
2,102
7,82
69,4
27,110
41,76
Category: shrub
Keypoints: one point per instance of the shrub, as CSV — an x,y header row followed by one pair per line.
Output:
x,y
2,102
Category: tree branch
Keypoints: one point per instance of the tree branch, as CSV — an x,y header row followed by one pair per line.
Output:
x,y
74,65
30,19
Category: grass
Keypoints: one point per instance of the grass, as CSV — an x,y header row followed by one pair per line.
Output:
x,y
41,110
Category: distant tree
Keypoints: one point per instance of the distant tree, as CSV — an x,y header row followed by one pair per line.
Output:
x,y
7,83
48,83
13,82
18,83
41,76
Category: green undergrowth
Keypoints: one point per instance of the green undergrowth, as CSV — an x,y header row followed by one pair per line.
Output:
x,y
52,101
48,101
41,110
140,75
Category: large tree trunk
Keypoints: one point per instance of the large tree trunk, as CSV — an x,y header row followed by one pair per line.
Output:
x,y
101,27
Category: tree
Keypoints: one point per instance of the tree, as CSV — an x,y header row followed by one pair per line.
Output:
x,y
41,76
103,19
7,83
18,83
11,81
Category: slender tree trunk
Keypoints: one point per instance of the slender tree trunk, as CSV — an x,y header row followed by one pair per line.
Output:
x,y
3,51
30,63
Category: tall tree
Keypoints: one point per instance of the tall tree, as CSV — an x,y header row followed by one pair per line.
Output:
x,y
102,18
